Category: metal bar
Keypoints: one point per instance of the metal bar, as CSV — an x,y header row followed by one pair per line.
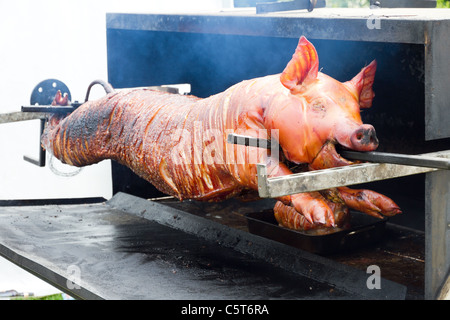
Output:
x,y
40,162
334,177
373,156
20,116
394,158
50,109
248,141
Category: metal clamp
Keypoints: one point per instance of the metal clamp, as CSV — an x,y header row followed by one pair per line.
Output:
x,y
332,177
43,94
41,99
386,166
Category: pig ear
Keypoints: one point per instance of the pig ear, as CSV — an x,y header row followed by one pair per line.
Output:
x,y
303,66
361,85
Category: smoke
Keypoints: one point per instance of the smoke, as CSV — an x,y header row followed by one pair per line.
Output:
x,y
209,62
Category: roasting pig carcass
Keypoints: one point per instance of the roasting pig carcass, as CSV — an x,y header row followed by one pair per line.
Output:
x,y
179,143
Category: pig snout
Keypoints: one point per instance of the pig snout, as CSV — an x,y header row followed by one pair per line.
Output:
x,y
364,138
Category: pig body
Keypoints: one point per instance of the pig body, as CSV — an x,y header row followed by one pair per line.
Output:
x,y
179,143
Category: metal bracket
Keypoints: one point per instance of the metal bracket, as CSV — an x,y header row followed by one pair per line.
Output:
x,y
40,162
43,93
383,166
41,98
334,177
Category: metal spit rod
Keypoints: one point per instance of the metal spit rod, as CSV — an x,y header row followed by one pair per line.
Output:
x,y
424,160
395,158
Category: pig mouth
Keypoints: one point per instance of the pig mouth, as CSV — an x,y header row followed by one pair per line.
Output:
x,y
328,157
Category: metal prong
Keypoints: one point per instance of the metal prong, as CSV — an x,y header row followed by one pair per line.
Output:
x,y
394,158
262,180
248,141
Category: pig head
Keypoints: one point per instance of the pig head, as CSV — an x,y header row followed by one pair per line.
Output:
x,y
309,115
319,110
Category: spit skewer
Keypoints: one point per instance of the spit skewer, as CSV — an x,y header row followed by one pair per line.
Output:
x,y
371,156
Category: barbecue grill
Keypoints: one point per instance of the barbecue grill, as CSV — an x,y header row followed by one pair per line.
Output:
x,y
189,249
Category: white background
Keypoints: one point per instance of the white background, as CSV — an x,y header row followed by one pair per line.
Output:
x,y
65,40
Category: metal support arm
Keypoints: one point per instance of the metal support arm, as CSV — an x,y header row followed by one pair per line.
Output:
x,y
336,177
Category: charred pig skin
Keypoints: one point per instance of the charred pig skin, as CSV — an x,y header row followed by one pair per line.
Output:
x,y
179,143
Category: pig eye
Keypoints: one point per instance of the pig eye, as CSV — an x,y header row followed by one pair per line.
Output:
x,y
319,107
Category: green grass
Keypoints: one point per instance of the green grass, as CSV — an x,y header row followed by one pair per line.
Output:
x,y
347,3
57,296
365,3
443,4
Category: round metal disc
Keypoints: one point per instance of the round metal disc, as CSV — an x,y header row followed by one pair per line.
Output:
x,y
45,91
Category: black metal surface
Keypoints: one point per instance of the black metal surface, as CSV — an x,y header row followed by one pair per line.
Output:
x,y
130,248
364,231
400,253
333,24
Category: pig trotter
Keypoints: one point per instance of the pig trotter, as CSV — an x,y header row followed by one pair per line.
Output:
x,y
287,216
369,202
314,208
60,100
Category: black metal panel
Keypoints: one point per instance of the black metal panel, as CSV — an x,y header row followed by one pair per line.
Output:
x,y
326,23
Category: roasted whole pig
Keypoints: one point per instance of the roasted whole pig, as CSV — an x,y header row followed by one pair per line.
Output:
x,y
179,143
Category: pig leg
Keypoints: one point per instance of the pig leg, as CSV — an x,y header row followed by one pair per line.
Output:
x,y
312,206
369,202
289,217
